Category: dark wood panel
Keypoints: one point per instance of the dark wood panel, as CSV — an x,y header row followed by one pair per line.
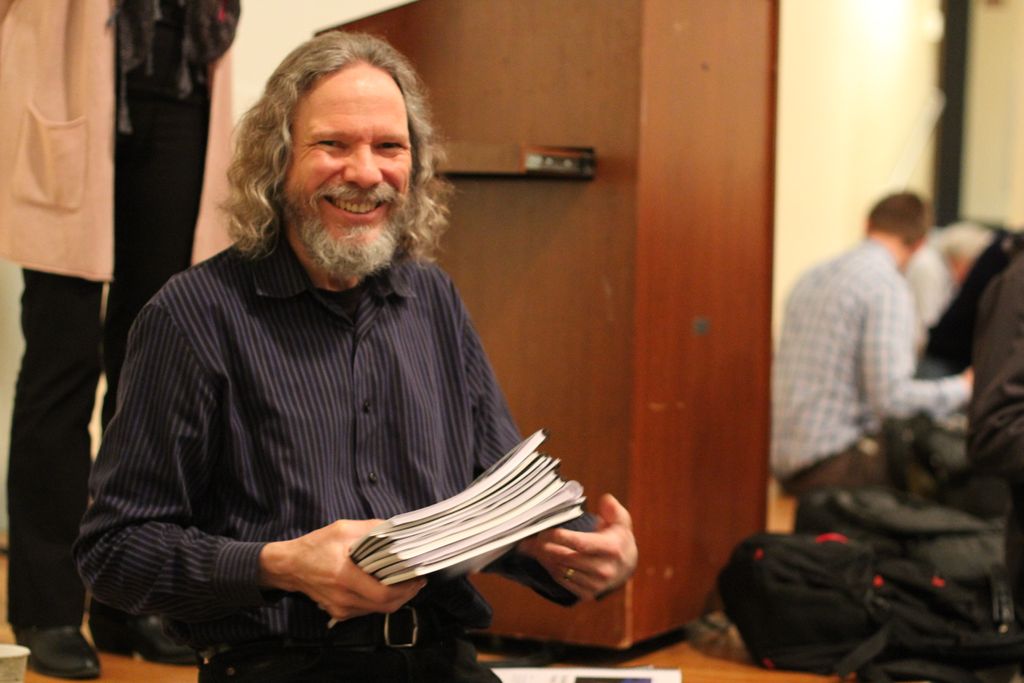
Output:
x,y
703,294
572,64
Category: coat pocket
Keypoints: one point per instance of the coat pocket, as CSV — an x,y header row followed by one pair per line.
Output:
x,y
50,163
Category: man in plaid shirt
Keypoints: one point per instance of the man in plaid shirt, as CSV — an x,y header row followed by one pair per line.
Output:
x,y
845,360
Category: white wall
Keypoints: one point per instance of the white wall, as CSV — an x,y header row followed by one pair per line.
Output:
x,y
268,30
856,78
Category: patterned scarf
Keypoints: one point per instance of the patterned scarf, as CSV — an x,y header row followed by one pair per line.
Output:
x,y
209,29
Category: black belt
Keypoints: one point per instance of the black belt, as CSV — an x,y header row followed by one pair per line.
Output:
x,y
407,627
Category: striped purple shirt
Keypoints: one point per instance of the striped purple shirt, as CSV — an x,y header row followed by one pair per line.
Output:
x,y
252,409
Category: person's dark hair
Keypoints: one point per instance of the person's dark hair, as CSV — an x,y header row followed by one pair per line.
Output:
x,y
263,145
903,214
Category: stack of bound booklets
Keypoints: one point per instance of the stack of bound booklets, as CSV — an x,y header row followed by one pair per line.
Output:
x,y
516,497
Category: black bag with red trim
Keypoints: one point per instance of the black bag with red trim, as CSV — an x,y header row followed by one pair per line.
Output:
x,y
829,605
900,524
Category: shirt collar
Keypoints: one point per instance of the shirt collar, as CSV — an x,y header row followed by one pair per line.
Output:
x,y
395,279
879,251
280,275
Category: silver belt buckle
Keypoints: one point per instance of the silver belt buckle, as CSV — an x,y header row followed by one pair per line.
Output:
x,y
212,651
415,629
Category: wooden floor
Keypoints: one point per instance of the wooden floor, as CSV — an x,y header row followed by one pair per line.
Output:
x,y
705,652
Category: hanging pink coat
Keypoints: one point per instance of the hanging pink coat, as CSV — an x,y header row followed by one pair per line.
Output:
x,y
57,133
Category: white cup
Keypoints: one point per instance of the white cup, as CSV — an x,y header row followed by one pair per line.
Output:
x,y
13,659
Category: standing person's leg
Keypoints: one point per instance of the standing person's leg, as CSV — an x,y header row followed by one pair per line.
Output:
x,y
158,180
50,458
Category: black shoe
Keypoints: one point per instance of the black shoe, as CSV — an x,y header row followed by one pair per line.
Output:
x,y
59,651
124,634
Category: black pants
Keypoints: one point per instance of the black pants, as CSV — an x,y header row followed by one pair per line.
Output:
x,y
451,660
158,177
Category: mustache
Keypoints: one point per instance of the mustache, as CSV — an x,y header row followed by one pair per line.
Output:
x,y
380,193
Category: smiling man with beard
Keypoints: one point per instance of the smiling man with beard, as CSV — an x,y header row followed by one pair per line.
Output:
x,y
347,181
282,398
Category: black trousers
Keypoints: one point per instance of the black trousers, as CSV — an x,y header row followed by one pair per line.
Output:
x,y
451,660
158,178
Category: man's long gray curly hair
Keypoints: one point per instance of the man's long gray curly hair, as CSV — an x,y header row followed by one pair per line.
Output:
x,y
263,145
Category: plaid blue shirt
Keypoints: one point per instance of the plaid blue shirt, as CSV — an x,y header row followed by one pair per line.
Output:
x,y
846,360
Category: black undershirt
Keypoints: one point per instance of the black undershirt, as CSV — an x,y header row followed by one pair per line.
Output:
x,y
346,301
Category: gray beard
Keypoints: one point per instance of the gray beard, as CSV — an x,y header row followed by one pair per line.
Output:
x,y
348,256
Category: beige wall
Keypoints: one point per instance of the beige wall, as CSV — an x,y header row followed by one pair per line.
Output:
x,y
11,346
993,172
856,87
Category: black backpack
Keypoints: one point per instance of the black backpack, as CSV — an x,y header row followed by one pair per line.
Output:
x,y
831,606
899,524
928,457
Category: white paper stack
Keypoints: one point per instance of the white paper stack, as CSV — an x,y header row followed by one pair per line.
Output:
x,y
588,675
519,495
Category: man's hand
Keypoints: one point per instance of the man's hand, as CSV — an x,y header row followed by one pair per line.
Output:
x,y
318,565
589,564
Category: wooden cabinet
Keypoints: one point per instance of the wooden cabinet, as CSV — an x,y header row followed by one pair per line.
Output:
x,y
628,314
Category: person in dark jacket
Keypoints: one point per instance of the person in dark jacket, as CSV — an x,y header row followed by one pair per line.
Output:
x,y
995,443
948,350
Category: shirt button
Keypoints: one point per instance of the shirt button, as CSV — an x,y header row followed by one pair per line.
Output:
x,y
372,477
366,406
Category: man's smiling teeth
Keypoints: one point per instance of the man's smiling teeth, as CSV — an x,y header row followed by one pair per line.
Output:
x,y
353,207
